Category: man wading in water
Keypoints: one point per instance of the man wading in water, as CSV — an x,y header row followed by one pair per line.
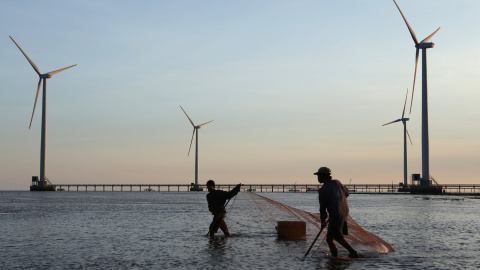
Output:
x,y
333,198
216,204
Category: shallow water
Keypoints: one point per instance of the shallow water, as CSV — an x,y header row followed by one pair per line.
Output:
x,y
159,230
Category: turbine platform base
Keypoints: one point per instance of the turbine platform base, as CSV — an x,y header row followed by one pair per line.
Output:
x,y
42,188
39,185
426,190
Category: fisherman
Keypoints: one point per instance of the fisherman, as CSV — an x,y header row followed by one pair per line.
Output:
x,y
216,205
333,198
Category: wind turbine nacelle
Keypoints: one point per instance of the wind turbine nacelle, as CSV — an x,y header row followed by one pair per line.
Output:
x,y
46,76
426,45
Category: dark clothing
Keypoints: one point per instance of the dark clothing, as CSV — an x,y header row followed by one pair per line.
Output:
x,y
337,229
333,198
218,222
216,200
216,205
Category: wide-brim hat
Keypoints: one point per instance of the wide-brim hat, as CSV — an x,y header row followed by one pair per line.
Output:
x,y
324,171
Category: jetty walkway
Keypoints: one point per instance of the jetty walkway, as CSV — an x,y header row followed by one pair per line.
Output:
x,y
447,189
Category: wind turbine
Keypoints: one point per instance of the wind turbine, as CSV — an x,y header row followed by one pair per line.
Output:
x,y
405,133
424,45
43,149
195,129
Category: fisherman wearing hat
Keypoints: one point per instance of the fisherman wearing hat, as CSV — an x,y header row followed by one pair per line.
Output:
x,y
333,199
216,205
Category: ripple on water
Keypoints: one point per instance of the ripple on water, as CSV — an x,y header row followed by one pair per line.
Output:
x,y
160,230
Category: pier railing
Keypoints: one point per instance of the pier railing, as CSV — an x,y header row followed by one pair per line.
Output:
x,y
450,189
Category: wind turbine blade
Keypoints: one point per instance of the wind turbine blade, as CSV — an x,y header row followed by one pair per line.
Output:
x,y
409,136
429,37
26,56
187,116
35,104
405,105
191,141
414,78
398,120
409,28
51,73
205,123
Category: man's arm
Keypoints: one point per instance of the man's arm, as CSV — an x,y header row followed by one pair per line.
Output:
x,y
323,208
210,203
234,191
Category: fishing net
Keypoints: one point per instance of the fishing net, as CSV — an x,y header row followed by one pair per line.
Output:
x,y
270,212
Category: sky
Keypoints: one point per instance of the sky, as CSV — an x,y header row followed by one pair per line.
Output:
x,y
291,86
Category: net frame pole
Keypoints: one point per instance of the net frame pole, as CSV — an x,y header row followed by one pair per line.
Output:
x,y
308,251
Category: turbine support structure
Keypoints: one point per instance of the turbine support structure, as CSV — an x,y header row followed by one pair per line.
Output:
x,y
425,182
423,45
404,120
196,160
195,186
42,183
43,143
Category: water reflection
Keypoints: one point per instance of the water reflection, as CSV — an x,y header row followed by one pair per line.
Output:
x,y
217,245
336,263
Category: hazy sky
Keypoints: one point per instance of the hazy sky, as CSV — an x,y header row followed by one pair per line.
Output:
x,y
291,86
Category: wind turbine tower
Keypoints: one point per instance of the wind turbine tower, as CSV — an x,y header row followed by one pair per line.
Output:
x,y
42,183
423,45
195,129
405,134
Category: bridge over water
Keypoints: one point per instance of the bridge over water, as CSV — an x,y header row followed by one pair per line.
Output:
x,y
447,189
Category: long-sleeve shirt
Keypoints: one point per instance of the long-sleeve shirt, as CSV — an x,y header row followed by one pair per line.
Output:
x,y
216,199
333,198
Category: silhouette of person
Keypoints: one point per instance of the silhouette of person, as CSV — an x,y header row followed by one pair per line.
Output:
x,y
216,205
333,199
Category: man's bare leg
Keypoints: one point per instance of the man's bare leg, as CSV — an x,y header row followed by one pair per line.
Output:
x,y
332,246
224,228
